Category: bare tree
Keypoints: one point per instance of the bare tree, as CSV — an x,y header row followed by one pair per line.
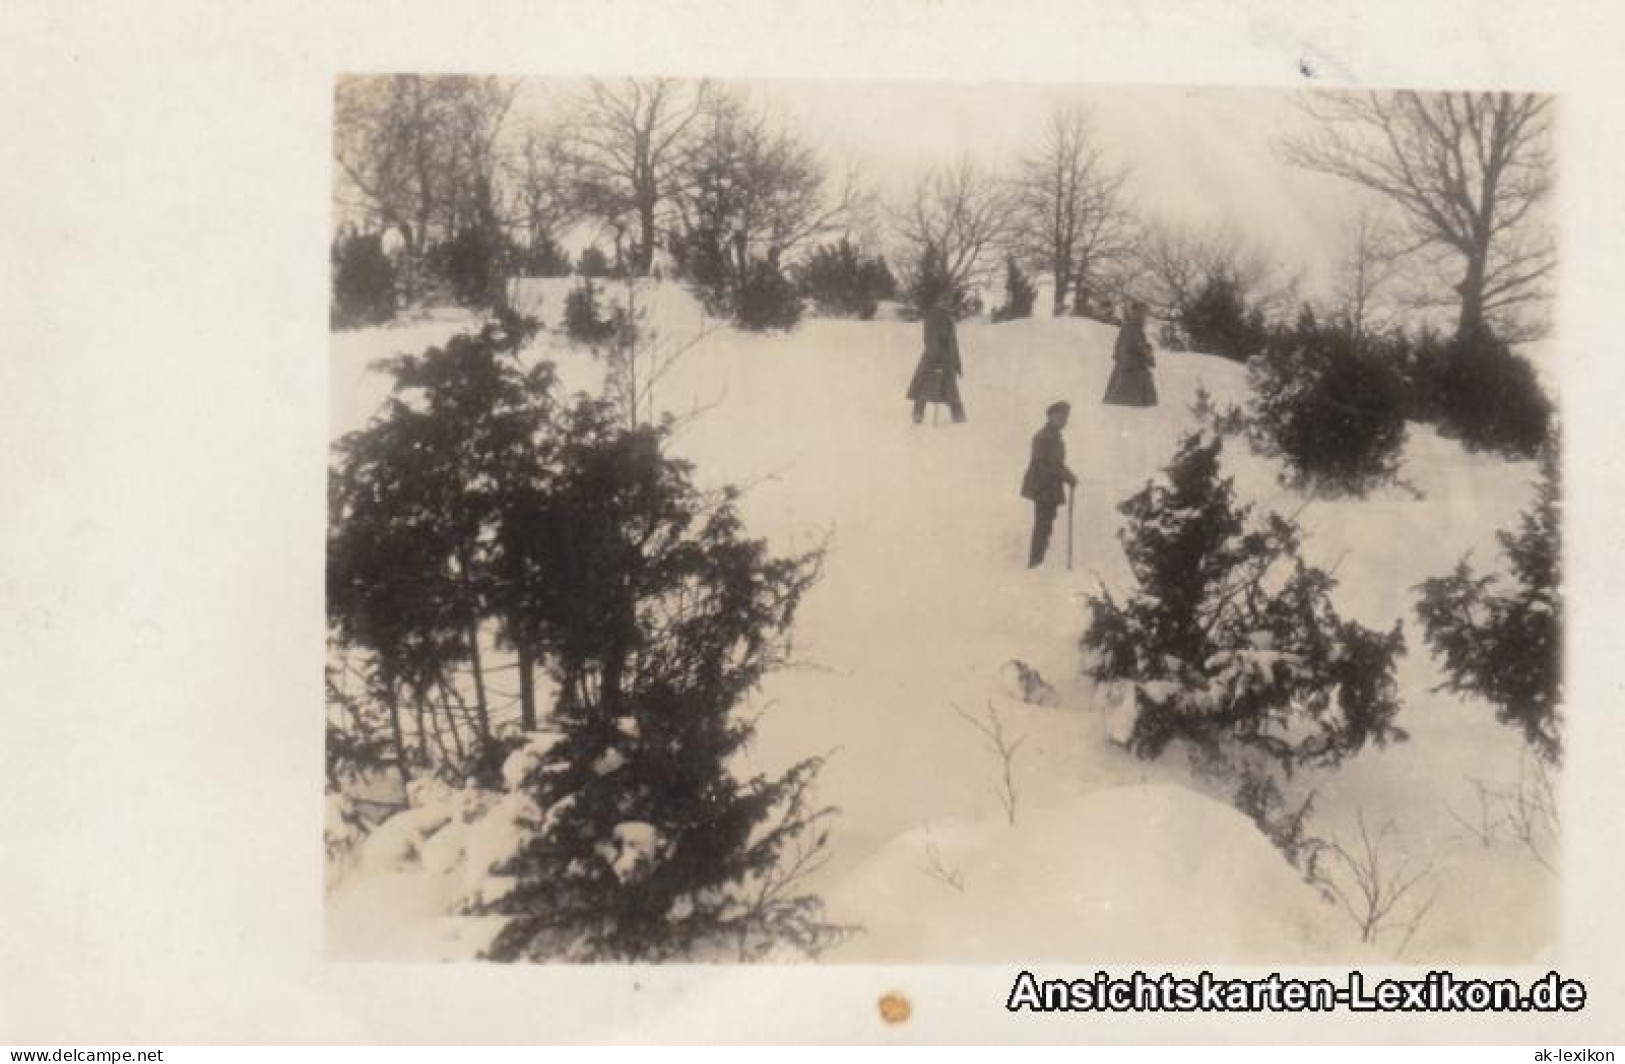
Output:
x,y
419,154
1470,173
751,190
1168,268
1069,213
413,149
390,147
1526,812
1378,893
638,358
1370,264
626,142
1483,826
954,216
478,112
1532,811
539,175
937,868
1171,264
1003,747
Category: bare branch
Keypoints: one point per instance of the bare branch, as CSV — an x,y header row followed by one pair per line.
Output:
x,y
937,869
1171,265
1377,895
1004,748
625,145
1374,256
955,216
1470,172
1069,216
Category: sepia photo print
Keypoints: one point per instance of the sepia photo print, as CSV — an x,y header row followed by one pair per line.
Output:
x,y
914,522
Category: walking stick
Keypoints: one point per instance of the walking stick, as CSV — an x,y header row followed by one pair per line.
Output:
x,y
1071,497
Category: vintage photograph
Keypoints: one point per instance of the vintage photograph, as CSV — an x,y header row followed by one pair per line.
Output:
x,y
907,522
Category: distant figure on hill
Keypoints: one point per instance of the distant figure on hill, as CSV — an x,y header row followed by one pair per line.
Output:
x,y
1131,382
936,377
1047,481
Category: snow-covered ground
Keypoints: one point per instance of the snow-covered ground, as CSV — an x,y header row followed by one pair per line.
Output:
x,y
926,597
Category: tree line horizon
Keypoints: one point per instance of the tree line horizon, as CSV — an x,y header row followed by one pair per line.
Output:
x,y
695,178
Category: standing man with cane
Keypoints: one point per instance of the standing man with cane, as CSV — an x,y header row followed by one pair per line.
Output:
x,y
1048,482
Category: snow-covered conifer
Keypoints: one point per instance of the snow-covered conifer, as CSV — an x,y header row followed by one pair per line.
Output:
x,y
660,617
1501,638
1229,638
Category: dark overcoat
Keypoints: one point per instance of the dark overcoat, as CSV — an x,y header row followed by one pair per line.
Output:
x,y
1047,476
936,376
1131,382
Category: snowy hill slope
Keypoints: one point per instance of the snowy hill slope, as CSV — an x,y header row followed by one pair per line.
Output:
x,y
926,596
1141,873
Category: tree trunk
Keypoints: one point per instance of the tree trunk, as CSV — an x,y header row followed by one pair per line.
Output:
x,y
1471,321
423,734
433,726
392,699
496,243
483,716
501,301
646,243
741,261
1063,281
612,676
411,260
527,687
451,725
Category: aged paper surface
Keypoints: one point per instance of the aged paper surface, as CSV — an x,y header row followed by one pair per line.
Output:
x,y
165,386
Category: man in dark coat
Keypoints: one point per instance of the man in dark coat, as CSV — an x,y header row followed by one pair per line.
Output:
x,y
1047,479
936,376
1131,382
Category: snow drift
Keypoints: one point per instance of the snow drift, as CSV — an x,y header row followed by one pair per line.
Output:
x,y
1149,874
924,601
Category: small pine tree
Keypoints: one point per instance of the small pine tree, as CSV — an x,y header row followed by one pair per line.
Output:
x,y
1217,321
413,500
932,284
840,281
662,617
1019,294
473,265
749,290
701,257
1501,637
767,300
1421,367
583,319
876,279
1230,639
1480,393
1090,301
593,263
1330,403
545,258
363,283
